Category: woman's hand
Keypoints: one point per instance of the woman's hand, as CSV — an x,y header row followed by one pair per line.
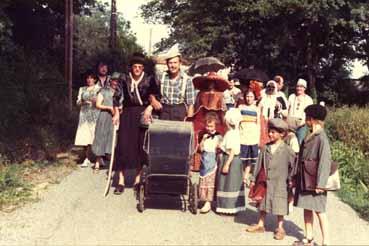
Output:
x,y
112,111
225,169
155,103
319,191
115,119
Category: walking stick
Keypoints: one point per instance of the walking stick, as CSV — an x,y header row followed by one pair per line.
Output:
x,y
112,156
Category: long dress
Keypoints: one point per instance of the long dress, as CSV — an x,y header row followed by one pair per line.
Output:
x,y
129,152
102,144
87,116
230,189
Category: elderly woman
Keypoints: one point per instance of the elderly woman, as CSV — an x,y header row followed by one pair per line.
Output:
x,y
136,87
315,151
297,103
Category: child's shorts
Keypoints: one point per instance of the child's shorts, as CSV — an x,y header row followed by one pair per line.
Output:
x,y
249,153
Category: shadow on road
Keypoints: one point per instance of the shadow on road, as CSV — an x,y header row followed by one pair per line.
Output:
x,y
250,217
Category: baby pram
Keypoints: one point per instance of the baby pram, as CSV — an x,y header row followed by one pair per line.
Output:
x,y
169,146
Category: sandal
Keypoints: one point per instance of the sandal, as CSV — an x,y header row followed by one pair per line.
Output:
x,y
279,234
304,242
255,229
119,189
96,170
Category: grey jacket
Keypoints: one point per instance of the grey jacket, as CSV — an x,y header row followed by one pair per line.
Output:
x,y
279,167
316,147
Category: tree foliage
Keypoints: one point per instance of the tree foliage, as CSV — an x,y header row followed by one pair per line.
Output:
x,y
292,37
33,95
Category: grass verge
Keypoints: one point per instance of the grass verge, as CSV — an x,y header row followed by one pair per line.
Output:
x,y
24,182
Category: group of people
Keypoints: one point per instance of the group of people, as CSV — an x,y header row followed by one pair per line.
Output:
x,y
266,141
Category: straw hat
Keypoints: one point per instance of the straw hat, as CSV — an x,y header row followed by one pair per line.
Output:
x,y
203,82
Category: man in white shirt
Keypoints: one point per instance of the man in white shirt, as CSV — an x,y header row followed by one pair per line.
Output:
x,y
297,103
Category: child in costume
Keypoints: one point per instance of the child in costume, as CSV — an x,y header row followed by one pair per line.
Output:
x,y
277,160
208,146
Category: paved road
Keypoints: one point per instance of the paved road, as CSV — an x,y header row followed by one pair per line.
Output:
x,y
75,212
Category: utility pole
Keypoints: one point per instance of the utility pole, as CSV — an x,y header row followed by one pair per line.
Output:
x,y
113,25
150,42
68,55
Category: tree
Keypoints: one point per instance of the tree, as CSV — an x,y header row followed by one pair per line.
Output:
x,y
292,37
92,41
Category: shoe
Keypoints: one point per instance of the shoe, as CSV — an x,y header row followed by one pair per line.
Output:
x,y
85,163
206,208
279,234
119,189
255,229
304,242
96,169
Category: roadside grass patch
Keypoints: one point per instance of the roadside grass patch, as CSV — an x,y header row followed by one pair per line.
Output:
x,y
24,182
14,190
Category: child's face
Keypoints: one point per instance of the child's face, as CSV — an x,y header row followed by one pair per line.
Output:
x,y
90,81
114,83
210,126
250,98
274,135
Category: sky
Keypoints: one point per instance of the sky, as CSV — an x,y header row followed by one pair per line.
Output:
x,y
130,9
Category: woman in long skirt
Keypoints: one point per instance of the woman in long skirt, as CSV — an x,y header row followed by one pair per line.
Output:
x,y
230,188
136,86
102,144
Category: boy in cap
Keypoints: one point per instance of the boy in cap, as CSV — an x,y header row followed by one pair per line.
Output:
x,y
277,161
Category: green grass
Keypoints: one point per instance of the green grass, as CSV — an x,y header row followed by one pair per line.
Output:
x,y
13,189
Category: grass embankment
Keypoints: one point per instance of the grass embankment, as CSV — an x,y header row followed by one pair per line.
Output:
x,y
20,183
349,132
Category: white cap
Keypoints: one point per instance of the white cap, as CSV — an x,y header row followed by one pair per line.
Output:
x,y
301,82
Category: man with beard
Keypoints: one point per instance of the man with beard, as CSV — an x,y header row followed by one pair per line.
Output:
x,y
103,78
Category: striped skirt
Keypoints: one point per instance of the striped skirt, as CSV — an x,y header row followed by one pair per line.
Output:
x,y
230,189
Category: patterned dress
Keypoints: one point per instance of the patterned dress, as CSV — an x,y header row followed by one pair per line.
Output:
x,y
87,116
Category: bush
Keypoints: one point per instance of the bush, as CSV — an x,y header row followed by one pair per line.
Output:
x,y
351,126
354,173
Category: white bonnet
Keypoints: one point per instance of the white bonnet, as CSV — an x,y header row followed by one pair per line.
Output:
x,y
233,117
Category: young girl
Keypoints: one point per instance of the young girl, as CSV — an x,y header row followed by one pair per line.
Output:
x,y
102,144
249,132
230,190
209,143
277,161
315,147
88,114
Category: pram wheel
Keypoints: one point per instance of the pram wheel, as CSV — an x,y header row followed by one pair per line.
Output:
x,y
193,198
141,198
